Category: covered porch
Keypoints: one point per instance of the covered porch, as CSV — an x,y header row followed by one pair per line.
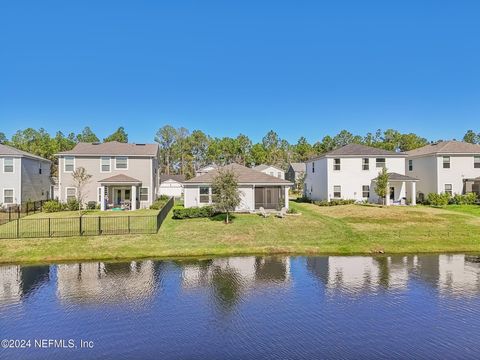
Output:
x,y
472,185
119,192
400,188
271,197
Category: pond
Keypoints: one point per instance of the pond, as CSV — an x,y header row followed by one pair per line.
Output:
x,y
244,307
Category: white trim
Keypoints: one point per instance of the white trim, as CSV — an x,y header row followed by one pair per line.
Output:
x,y
99,194
116,168
13,196
65,164
109,164
13,165
140,193
66,192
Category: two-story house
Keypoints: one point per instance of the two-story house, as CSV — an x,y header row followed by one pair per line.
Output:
x,y
445,167
350,173
24,177
123,175
296,173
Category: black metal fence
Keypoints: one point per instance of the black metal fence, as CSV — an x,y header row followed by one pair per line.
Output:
x,y
84,225
15,212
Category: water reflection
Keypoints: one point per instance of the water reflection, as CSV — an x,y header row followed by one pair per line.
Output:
x,y
17,282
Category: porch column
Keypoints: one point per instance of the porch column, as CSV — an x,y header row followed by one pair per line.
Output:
x,y
286,196
413,199
387,198
102,198
133,200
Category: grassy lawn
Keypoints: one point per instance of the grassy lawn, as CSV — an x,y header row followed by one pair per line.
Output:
x,y
66,214
351,229
466,209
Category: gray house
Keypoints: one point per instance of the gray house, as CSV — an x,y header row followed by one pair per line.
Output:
x,y
296,173
123,175
24,177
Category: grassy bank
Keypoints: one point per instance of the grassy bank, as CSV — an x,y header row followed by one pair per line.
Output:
x,y
351,229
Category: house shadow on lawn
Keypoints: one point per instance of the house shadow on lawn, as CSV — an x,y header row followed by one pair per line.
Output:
x,y
222,217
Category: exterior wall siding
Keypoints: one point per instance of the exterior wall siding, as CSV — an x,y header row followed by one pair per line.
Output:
x,y
35,186
12,180
171,188
461,167
425,170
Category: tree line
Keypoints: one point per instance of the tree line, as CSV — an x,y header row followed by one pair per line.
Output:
x,y
183,152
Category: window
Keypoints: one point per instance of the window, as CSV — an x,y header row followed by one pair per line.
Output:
x,y
204,195
313,166
121,162
446,162
71,194
279,175
99,194
381,163
476,162
336,164
144,194
366,164
8,165
69,164
366,191
271,173
337,191
105,164
448,189
8,196
410,165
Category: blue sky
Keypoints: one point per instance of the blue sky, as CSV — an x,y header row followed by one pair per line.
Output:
x,y
226,67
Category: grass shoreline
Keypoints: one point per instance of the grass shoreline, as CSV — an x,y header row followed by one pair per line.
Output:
x,y
340,230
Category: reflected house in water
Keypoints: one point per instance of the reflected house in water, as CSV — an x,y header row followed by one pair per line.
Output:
x,y
17,282
106,282
458,275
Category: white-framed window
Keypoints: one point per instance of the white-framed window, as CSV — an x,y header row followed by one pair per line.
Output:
x,y
271,173
410,165
70,193
105,164
337,191
366,191
8,165
8,196
448,189
336,164
69,164
313,166
365,164
446,162
279,175
476,161
121,163
144,194
380,162
99,194
204,194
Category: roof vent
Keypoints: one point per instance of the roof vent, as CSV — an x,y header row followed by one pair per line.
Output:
x,y
140,144
96,143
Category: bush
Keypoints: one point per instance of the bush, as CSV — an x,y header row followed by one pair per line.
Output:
x,y
158,204
52,206
435,199
334,202
304,199
292,211
467,199
72,205
91,205
194,212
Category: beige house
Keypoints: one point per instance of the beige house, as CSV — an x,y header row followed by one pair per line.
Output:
x,y
123,175
270,170
256,189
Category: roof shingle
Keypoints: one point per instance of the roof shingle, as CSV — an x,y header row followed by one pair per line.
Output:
x,y
446,147
113,148
359,150
11,151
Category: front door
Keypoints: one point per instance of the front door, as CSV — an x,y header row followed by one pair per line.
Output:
x,y
392,193
119,197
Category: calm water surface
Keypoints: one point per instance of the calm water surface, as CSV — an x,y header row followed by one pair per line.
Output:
x,y
247,307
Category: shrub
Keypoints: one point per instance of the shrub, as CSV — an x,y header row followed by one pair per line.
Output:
x,y
91,205
194,212
292,211
467,199
52,206
334,202
435,199
158,204
72,205
304,199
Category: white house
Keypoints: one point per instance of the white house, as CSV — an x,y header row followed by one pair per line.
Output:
x,y
270,170
171,185
206,169
350,172
123,175
256,188
24,177
445,167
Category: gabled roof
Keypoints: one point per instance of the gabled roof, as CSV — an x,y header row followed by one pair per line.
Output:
x,y
114,148
399,177
178,178
6,150
446,147
244,174
299,167
265,166
120,179
359,150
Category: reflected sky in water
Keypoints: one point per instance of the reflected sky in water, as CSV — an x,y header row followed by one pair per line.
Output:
x,y
248,307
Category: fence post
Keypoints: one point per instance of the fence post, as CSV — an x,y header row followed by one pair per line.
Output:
x,y
80,223
9,214
99,225
18,228
129,224
49,227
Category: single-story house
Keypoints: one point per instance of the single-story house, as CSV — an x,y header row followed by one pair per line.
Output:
x,y
271,170
257,189
171,185
206,169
